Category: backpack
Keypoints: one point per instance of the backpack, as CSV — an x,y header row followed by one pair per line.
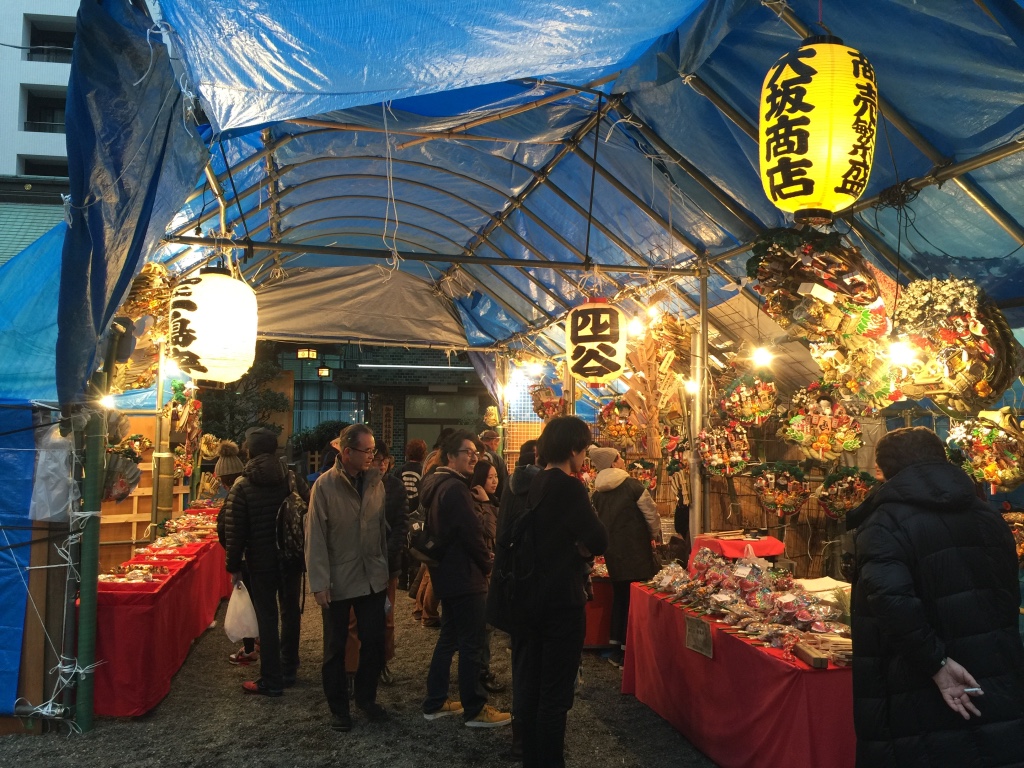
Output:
x,y
291,526
515,559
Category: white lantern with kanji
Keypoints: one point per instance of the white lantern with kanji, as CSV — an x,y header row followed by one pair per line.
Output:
x,y
213,326
595,341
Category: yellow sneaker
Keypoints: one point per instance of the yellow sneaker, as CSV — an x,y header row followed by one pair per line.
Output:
x,y
489,717
448,708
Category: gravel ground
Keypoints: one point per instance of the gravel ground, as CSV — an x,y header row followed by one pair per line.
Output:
x,y
206,720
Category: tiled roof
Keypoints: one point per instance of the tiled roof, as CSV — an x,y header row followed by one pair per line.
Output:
x,y
22,224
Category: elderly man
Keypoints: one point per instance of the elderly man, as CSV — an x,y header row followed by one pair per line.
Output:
x,y
347,561
460,581
491,440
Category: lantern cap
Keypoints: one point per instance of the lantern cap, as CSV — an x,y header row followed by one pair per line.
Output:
x,y
822,40
597,300
215,271
814,216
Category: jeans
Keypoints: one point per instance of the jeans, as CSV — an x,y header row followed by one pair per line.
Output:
x,y
462,630
545,661
369,611
279,649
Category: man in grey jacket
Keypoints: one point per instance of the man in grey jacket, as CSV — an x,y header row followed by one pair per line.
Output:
x,y
347,563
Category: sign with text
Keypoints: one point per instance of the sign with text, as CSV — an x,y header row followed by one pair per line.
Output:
x,y
698,636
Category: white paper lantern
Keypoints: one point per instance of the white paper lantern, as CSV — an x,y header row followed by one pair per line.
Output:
x,y
213,326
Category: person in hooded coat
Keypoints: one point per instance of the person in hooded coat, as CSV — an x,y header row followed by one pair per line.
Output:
x,y
938,665
250,530
629,514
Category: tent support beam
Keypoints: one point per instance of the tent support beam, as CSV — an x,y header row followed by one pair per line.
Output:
x,y
542,102
980,197
425,135
368,253
626,249
542,174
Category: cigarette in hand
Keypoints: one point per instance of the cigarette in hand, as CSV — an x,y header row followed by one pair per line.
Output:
x,y
973,690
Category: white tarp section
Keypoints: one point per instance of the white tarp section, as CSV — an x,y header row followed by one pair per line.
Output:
x,y
354,304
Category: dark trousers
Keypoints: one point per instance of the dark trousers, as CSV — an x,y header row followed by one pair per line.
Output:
x,y
275,595
462,630
369,611
545,661
620,613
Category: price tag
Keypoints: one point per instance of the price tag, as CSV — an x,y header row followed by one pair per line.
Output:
x,y
786,599
698,636
742,571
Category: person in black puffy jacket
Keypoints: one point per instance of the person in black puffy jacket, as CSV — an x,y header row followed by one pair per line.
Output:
x,y
250,531
938,665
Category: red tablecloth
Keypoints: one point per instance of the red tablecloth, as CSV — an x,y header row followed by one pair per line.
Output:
x,y
744,707
766,546
599,615
143,635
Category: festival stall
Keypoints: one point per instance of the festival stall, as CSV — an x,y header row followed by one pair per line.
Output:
x,y
589,208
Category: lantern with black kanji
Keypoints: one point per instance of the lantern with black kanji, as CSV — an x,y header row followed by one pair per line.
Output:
x,y
595,341
818,118
213,326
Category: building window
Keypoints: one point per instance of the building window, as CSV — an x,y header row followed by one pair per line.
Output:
x,y
318,401
51,40
45,167
44,112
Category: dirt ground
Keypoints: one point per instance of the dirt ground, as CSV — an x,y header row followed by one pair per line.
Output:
x,y
207,720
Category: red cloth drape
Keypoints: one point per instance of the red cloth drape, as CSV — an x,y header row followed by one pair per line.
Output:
x,y
599,615
766,546
144,632
745,708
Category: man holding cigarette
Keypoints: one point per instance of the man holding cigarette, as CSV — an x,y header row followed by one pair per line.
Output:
x,y
938,665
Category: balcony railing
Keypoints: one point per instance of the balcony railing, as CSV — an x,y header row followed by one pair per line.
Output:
x,y
52,55
35,126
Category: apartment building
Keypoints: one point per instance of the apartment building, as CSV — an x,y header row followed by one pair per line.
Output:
x,y
35,64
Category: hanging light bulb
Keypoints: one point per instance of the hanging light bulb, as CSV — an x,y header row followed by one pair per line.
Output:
x,y
107,401
819,115
654,313
635,327
170,368
535,370
901,354
691,387
762,358
213,326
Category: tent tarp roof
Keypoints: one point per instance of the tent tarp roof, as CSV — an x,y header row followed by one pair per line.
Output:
x,y
493,157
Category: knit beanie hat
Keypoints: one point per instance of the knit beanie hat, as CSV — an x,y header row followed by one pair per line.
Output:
x,y
259,441
602,458
228,463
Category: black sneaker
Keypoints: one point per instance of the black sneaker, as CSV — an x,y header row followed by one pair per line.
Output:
x,y
342,723
491,683
387,677
374,712
615,658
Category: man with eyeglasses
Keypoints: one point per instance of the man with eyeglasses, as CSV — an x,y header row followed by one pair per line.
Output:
x,y
347,562
460,581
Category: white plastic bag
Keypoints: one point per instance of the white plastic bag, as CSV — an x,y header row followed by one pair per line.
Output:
x,y
241,617
54,489
749,558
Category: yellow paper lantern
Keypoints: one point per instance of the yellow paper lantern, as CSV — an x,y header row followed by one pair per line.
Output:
x,y
595,341
818,119
213,326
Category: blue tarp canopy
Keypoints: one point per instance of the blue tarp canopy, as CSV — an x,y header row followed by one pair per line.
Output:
x,y
468,143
